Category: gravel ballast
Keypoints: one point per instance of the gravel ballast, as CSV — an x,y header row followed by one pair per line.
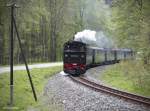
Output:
x,y
62,91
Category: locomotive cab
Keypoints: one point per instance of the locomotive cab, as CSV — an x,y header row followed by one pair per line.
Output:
x,y
74,58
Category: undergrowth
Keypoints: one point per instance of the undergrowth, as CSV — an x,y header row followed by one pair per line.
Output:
x,y
132,76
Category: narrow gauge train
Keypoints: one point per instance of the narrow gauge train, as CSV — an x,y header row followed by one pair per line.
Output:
x,y
78,57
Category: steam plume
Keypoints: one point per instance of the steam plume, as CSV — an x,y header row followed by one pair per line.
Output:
x,y
94,38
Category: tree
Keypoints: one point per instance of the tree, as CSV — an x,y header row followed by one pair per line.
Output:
x,y
131,21
56,8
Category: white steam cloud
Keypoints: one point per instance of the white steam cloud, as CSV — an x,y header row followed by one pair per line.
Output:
x,y
86,36
94,38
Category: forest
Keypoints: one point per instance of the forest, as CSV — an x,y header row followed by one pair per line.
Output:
x,y
44,26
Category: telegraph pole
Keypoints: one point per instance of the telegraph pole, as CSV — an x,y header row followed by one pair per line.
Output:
x,y
11,56
14,27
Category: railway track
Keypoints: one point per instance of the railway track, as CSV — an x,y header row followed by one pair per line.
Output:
x,y
102,88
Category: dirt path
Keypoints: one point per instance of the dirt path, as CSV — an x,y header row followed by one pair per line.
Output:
x,y
43,65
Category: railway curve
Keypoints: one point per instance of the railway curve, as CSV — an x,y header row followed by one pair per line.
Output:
x,y
98,87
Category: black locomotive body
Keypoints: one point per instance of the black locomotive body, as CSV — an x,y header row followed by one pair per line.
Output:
x,y
78,57
74,57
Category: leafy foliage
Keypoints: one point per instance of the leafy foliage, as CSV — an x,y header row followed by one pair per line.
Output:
x,y
131,21
45,25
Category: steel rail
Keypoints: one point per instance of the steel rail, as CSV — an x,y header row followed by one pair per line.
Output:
x,y
106,89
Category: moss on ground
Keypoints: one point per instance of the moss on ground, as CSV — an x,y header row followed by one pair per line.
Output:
x,y
23,97
130,76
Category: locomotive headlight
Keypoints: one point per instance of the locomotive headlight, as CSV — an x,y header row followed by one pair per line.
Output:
x,y
66,55
82,56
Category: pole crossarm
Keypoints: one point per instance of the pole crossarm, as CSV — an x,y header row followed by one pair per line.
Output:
x,y
13,4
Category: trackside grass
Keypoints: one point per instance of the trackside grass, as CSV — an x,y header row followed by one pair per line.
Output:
x,y
23,97
128,76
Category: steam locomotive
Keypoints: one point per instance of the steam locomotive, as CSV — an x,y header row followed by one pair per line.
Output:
x,y
78,57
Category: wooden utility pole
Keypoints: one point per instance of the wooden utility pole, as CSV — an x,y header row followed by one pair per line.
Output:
x,y
14,27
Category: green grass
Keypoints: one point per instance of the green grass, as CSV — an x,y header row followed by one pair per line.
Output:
x,y
23,98
128,76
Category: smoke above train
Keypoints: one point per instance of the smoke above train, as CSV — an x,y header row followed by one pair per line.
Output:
x,y
93,38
